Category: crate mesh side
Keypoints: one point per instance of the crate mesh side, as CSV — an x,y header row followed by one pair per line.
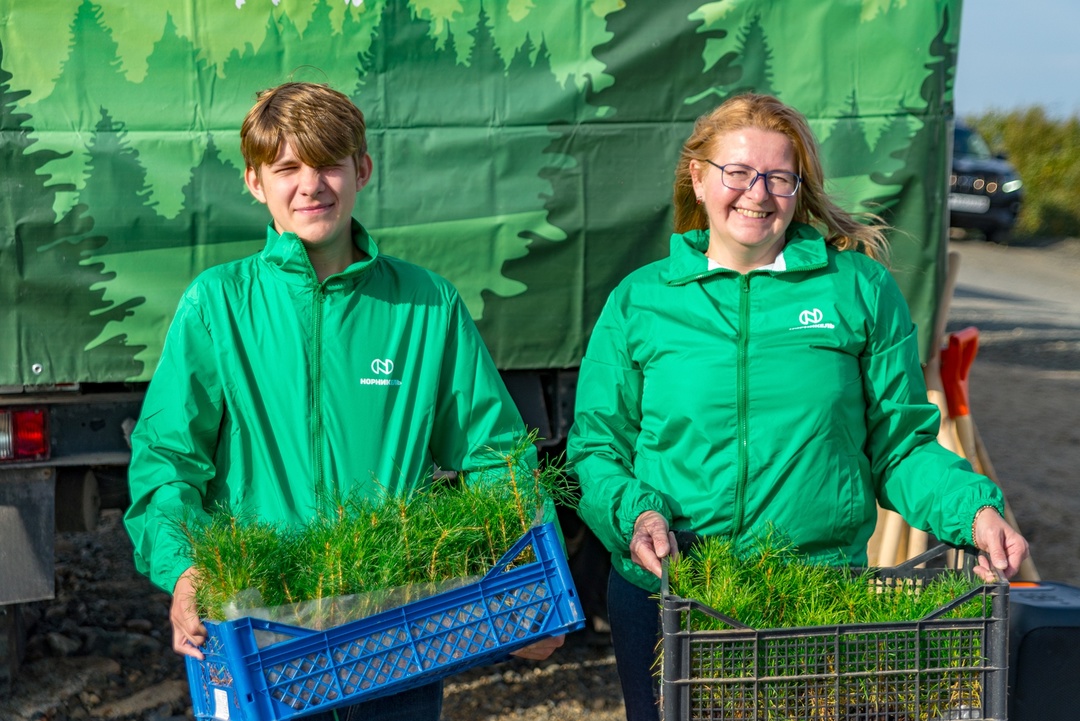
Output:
x,y
521,611
303,682
213,674
430,641
927,672
730,660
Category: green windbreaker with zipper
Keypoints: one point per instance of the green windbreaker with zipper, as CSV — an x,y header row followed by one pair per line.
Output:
x,y
791,396
275,391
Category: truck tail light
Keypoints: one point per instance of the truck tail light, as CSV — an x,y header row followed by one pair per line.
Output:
x,y
24,434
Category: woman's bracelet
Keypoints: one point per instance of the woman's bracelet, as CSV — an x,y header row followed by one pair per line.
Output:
x,y
976,518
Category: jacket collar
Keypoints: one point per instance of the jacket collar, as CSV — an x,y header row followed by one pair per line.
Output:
x,y
804,250
285,252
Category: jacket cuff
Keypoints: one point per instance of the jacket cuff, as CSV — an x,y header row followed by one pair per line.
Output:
x,y
961,534
167,577
628,514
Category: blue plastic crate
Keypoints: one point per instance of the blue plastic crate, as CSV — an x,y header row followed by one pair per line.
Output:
x,y
389,652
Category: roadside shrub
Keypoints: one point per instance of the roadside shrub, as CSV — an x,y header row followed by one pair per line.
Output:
x,y
1046,154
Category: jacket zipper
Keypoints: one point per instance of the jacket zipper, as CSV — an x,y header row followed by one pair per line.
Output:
x,y
316,389
742,402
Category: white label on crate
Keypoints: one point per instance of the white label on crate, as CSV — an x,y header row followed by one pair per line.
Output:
x,y
221,704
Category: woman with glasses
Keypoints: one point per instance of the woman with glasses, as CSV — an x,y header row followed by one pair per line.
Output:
x,y
765,374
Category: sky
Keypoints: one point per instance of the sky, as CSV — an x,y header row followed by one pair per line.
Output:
x,y
1017,54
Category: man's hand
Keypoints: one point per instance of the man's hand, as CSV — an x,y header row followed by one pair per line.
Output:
x,y
1004,546
541,649
652,540
188,631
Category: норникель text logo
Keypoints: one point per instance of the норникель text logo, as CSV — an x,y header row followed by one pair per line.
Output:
x,y
381,367
811,318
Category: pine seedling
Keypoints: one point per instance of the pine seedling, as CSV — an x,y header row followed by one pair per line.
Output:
x,y
450,529
768,584
232,554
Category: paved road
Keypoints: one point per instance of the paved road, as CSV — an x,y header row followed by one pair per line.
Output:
x,y
1025,386
1024,300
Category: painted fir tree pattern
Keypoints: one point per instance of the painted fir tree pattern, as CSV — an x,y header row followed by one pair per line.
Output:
x,y
36,248
525,153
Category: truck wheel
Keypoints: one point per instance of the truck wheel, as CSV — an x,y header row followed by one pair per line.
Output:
x,y
78,501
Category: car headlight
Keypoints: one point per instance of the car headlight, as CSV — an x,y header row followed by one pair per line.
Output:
x,y
1011,185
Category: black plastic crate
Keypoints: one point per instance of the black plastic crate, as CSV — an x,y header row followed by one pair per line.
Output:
x,y
1044,651
925,670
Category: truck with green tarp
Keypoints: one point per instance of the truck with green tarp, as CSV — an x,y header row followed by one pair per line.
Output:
x,y
524,150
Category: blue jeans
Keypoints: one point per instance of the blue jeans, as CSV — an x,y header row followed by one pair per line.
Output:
x,y
634,616
423,703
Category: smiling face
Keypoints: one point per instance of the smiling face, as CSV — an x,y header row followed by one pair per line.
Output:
x,y
746,227
314,203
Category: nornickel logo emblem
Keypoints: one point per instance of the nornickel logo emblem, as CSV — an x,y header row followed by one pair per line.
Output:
x,y
382,367
809,317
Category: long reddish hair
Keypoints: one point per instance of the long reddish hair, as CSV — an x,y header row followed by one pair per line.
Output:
x,y
813,205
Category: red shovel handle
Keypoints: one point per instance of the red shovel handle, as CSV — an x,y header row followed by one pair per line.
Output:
x,y
956,360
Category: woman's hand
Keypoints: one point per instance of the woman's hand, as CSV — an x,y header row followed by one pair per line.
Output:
x,y
541,649
652,540
188,631
1003,544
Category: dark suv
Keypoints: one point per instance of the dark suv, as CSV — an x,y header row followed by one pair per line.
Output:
x,y
984,190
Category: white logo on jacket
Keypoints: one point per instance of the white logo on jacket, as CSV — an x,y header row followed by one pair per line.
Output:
x,y
381,367
811,318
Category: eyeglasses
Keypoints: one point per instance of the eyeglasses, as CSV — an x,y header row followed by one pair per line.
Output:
x,y
736,176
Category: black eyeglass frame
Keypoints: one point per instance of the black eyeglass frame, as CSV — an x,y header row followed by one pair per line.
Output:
x,y
723,178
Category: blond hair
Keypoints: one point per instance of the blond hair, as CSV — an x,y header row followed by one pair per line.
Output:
x,y
813,206
322,125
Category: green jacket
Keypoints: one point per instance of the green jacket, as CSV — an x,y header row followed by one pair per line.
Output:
x,y
788,396
274,390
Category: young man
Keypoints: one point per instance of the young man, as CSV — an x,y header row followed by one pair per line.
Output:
x,y
317,368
